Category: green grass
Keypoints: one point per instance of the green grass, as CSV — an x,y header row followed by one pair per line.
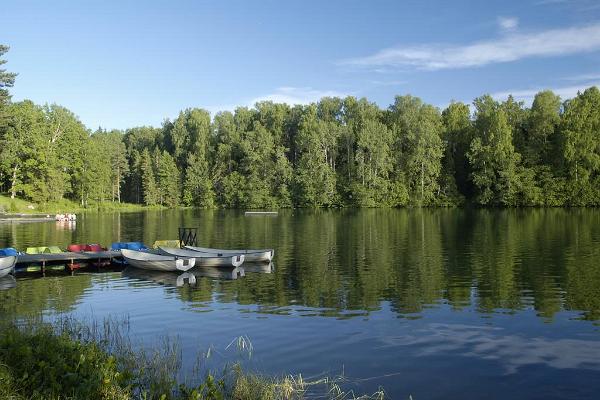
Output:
x,y
21,206
72,360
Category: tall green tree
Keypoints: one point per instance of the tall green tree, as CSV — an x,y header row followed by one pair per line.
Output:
x,y
315,177
581,129
150,189
492,155
419,147
19,144
458,133
198,185
7,79
167,175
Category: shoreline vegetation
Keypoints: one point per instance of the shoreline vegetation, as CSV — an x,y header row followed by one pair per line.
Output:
x,y
337,152
19,206
68,359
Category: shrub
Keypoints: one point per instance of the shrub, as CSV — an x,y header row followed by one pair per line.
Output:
x,y
42,364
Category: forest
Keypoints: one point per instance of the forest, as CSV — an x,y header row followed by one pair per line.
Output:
x,y
338,152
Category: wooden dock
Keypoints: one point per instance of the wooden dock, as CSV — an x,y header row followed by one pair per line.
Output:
x,y
71,260
4,220
67,256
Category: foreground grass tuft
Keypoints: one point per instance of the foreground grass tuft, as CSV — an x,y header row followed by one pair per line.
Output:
x,y
72,360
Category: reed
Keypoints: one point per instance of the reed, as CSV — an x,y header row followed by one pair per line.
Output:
x,y
74,359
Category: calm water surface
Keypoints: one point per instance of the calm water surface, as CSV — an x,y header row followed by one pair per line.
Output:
x,y
432,303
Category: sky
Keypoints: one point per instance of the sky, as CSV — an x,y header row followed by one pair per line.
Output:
x,y
120,64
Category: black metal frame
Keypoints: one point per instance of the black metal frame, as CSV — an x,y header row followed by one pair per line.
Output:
x,y
188,236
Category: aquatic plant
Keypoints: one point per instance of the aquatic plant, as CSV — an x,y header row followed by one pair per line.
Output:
x,y
72,359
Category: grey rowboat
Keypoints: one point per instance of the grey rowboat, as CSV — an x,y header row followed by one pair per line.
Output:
x,y
262,255
157,262
205,259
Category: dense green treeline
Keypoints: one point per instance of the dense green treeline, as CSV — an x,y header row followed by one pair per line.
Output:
x,y
334,153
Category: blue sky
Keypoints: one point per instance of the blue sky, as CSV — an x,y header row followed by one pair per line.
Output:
x,y
120,64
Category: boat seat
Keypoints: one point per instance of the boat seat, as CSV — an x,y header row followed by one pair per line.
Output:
x,y
76,248
166,243
9,251
34,250
52,250
94,248
136,246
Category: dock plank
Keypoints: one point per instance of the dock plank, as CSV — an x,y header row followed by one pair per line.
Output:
x,y
67,256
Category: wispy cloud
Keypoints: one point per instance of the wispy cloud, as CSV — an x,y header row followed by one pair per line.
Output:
x,y
545,2
376,82
296,95
511,47
287,94
527,95
512,352
577,5
508,23
584,77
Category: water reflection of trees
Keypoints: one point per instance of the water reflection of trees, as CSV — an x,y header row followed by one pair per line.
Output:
x,y
352,260
32,296
492,260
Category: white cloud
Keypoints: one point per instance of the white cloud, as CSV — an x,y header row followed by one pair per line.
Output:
x,y
544,2
584,77
376,82
287,94
508,23
296,95
527,95
512,47
491,343
577,5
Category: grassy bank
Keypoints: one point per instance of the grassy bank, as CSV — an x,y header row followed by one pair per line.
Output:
x,y
21,206
70,360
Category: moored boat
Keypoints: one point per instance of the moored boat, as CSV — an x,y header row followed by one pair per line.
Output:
x,y
262,255
88,248
157,262
128,245
7,265
47,250
204,259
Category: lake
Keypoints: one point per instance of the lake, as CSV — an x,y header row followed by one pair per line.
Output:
x,y
432,303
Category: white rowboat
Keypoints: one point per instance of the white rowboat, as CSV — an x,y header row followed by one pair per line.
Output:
x,y
157,262
205,259
263,255
7,264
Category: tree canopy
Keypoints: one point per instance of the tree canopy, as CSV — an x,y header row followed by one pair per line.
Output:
x,y
337,152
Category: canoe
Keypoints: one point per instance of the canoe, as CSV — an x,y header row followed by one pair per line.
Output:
x,y
263,255
7,265
204,259
88,248
157,262
45,250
